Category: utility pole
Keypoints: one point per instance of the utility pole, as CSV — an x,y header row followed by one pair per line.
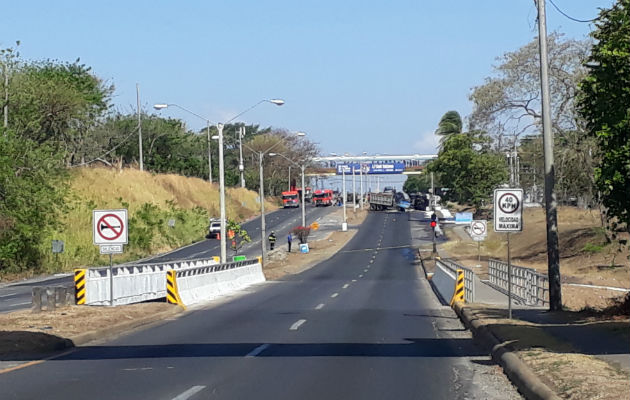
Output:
x,y
241,167
553,254
139,127
289,178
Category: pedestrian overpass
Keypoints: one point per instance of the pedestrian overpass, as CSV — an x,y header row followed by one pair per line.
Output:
x,y
410,164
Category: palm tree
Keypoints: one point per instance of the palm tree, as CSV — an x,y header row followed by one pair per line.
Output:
x,y
450,124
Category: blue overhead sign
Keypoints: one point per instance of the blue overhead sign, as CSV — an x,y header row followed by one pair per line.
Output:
x,y
372,168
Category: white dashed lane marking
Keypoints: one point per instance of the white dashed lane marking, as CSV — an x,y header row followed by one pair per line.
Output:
x,y
189,393
257,350
297,325
334,295
319,306
346,285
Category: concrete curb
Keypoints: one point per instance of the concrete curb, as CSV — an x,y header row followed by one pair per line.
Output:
x,y
122,328
519,373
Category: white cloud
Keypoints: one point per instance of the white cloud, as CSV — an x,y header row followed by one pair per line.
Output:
x,y
427,144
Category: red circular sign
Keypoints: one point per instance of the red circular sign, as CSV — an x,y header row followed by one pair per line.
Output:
x,y
110,226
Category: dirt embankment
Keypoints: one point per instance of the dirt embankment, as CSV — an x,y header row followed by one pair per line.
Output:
x,y
585,256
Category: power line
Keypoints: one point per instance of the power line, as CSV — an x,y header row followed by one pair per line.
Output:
x,y
570,17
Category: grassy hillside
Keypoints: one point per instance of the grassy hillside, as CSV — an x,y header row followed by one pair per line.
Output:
x,y
152,200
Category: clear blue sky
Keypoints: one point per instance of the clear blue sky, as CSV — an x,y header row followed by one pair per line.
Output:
x,y
356,75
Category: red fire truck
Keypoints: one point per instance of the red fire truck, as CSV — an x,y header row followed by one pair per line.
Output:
x,y
323,197
290,199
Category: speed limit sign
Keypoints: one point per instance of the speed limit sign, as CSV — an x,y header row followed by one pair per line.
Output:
x,y
508,210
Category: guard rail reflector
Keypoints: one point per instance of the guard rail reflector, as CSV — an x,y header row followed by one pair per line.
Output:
x,y
172,294
458,295
79,286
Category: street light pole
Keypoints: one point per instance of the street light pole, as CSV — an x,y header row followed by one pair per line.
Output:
x,y
343,185
303,197
361,180
241,167
222,195
261,191
139,128
209,153
354,192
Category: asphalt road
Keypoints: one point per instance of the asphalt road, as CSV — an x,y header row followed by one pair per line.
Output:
x,y
364,324
18,296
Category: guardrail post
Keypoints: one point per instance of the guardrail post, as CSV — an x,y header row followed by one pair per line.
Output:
x,y
37,299
50,299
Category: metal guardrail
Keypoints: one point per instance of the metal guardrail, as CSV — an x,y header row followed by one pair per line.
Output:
x,y
469,277
529,287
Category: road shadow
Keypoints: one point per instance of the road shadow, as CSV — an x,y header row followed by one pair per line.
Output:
x,y
415,347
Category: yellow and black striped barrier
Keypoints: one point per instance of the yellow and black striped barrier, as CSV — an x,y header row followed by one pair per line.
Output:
x,y
172,294
79,286
459,287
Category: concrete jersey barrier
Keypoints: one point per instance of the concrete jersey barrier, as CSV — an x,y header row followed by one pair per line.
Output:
x,y
132,283
195,285
444,281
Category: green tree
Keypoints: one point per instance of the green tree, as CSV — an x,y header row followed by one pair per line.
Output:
x,y
32,190
58,104
605,104
471,175
419,183
450,124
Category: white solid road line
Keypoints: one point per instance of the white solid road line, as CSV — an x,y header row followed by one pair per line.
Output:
x,y
297,324
189,393
319,306
346,286
8,294
334,295
20,304
258,350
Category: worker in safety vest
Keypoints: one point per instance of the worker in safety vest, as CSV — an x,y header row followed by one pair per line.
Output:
x,y
272,240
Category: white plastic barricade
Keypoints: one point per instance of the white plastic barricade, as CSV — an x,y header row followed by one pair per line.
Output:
x,y
134,283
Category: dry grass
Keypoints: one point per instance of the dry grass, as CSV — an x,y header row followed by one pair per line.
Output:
x,y
108,188
571,375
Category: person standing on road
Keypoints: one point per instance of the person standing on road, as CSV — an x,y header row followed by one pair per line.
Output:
x,y
272,240
289,240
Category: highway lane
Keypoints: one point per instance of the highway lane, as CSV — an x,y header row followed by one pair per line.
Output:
x,y
18,295
363,324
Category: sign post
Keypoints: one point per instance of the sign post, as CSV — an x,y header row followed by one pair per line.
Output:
x,y
508,217
478,233
109,232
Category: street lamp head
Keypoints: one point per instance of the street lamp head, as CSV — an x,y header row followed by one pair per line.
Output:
x,y
160,106
277,102
300,134
215,137
272,154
